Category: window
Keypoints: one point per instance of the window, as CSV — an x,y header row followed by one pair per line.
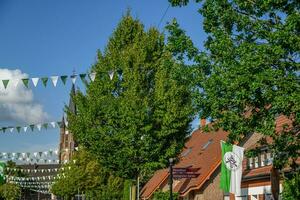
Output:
x,y
269,159
256,162
250,163
262,159
186,152
207,144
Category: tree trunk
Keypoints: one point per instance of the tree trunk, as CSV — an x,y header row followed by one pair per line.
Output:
x,y
275,183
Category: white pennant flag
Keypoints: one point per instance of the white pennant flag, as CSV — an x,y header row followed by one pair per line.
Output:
x,y
25,128
54,80
111,74
16,82
35,81
73,78
11,129
39,126
53,124
92,76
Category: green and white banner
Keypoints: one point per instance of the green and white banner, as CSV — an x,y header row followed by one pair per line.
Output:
x,y
2,166
231,169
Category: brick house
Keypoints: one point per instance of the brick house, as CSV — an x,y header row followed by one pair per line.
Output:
x,y
203,151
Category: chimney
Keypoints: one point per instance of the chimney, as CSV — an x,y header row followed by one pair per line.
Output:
x,y
203,122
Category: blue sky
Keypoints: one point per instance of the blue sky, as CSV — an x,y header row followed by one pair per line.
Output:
x,y
53,37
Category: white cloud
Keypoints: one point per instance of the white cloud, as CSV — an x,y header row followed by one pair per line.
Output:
x,y
17,102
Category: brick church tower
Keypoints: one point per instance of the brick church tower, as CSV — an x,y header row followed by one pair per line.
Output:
x,y
67,144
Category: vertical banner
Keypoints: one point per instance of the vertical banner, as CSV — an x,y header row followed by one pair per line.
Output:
x,y
231,169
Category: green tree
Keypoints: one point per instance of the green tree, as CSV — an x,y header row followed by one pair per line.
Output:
x,y
86,176
291,188
250,71
136,121
159,195
10,191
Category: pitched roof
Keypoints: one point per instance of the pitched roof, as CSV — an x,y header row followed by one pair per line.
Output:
x,y
202,151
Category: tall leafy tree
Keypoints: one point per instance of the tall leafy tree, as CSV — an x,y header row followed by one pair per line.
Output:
x,y
86,176
250,71
137,120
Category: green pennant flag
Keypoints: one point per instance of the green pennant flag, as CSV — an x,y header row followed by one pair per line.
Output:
x,y
31,127
82,77
2,167
45,81
5,83
25,82
18,129
45,125
59,124
4,129
64,79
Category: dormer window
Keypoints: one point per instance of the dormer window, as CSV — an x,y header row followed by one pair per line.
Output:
x,y
263,159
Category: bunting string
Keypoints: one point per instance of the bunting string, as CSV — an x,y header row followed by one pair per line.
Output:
x,y
34,178
26,82
32,127
49,170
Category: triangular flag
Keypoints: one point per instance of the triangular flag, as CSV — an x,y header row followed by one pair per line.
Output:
x,y
82,77
16,82
5,83
64,79
73,78
39,126
92,76
18,129
54,80
111,74
45,81
59,124
4,129
25,128
11,129
31,126
25,82
53,124
45,125
35,81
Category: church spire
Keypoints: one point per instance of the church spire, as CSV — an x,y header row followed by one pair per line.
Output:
x,y
72,106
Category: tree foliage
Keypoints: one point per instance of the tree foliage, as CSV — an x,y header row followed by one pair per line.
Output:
x,y
159,195
136,121
291,187
10,191
250,70
86,176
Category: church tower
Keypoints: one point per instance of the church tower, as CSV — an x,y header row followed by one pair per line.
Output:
x,y
67,144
